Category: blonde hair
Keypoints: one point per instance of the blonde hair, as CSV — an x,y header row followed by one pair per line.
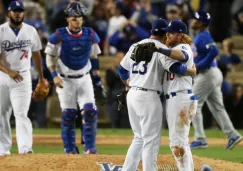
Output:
x,y
186,39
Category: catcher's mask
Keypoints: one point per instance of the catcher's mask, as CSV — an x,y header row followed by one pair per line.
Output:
x,y
75,9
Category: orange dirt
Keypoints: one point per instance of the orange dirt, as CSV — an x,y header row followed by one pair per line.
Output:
x,y
62,162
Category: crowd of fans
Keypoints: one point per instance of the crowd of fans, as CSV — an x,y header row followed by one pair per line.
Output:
x,y
120,23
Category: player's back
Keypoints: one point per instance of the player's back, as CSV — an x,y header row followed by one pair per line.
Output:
x,y
146,75
174,82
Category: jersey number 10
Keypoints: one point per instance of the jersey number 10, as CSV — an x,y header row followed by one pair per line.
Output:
x,y
135,69
169,76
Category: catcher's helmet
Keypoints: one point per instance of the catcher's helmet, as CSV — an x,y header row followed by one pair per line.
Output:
x,y
203,16
75,9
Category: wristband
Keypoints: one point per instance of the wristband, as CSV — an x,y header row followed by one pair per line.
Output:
x,y
95,63
53,74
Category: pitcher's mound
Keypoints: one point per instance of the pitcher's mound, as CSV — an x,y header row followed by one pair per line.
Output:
x,y
62,162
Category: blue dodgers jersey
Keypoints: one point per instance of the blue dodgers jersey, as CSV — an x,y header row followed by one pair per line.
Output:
x,y
202,42
75,48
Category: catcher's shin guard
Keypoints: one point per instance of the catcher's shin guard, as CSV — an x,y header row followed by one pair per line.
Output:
x,y
89,114
68,130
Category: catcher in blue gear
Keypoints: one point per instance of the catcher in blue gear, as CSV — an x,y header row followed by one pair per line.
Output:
x,y
71,57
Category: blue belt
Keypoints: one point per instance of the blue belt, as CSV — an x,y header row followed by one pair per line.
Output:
x,y
173,94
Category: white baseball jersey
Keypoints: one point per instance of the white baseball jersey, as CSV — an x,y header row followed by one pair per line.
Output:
x,y
54,50
174,82
16,51
149,76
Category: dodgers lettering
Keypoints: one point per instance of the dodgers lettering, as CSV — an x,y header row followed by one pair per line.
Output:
x,y
8,46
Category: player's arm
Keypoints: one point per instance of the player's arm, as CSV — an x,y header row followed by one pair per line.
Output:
x,y
177,67
208,59
95,51
36,57
12,74
37,60
124,68
176,54
124,75
182,69
52,56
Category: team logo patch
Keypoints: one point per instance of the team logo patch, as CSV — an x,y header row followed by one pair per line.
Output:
x,y
107,166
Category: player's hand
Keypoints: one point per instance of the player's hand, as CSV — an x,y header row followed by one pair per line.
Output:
x,y
194,70
58,82
15,76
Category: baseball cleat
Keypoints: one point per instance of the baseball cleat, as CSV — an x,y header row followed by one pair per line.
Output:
x,y
232,142
90,151
198,144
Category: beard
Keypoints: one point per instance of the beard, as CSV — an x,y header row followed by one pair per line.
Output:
x,y
170,43
15,22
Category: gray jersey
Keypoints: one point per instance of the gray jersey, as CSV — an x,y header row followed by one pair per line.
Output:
x,y
149,76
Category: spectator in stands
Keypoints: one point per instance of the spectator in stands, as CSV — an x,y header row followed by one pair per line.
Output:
x,y
229,57
99,23
234,106
239,20
143,15
128,34
114,24
128,7
115,87
58,17
172,12
2,13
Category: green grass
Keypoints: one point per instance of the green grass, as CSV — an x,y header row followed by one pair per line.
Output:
x,y
210,152
212,133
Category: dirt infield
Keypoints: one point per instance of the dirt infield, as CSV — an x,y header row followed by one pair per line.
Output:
x,y
112,140
62,162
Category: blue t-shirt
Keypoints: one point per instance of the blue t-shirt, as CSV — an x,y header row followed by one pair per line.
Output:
x,y
233,59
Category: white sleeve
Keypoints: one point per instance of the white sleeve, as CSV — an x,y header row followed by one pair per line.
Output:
x,y
36,45
51,60
95,49
125,63
53,50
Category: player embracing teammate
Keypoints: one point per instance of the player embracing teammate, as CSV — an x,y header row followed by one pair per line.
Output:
x,y
143,73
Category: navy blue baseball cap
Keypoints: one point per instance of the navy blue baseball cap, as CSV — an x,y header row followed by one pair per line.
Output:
x,y
14,5
158,24
202,16
176,26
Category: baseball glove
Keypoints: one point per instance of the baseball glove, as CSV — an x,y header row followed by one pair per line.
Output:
x,y
41,91
122,100
143,52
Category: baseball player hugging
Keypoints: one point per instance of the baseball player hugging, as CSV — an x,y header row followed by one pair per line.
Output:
x,y
181,104
77,49
144,69
18,43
